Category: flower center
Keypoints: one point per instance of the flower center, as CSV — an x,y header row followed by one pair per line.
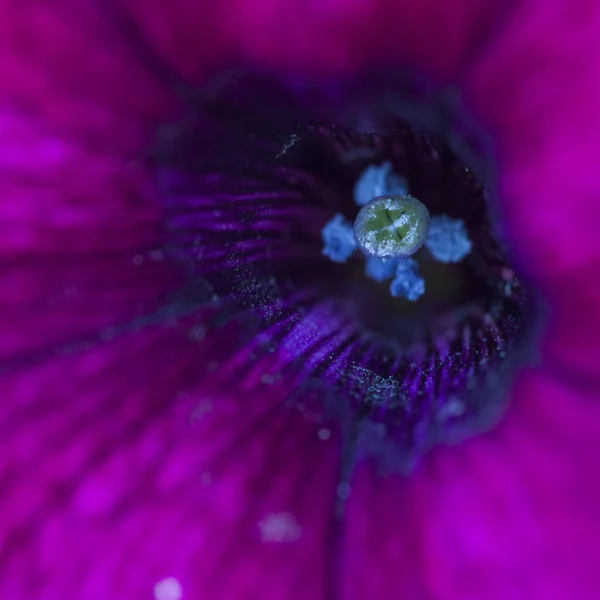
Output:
x,y
357,251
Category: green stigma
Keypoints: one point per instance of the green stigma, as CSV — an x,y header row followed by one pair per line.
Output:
x,y
391,226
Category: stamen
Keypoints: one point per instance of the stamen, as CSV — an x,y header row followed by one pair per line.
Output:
x,y
407,282
448,239
380,269
379,180
339,240
391,226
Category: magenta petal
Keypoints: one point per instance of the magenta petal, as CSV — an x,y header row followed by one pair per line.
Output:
x,y
109,486
74,75
510,515
434,36
537,88
315,36
121,467
518,509
182,37
572,346
382,550
79,219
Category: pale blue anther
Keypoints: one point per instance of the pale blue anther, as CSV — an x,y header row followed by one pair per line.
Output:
x,y
379,180
407,282
380,269
338,239
448,239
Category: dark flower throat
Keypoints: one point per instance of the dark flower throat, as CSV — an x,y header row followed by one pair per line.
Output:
x,y
250,178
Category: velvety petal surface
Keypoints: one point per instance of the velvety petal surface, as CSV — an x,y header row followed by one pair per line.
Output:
x,y
125,463
119,472
537,89
510,515
80,224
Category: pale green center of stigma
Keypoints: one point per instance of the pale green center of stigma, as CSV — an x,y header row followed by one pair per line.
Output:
x,y
391,226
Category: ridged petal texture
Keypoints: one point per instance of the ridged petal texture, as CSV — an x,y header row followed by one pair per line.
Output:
x,y
124,465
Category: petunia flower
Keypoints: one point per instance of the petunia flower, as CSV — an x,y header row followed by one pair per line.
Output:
x,y
196,402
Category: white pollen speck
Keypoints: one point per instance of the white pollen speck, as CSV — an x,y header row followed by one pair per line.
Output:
x,y
343,491
197,333
279,528
453,408
168,589
203,408
107,334
324,434
288,144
